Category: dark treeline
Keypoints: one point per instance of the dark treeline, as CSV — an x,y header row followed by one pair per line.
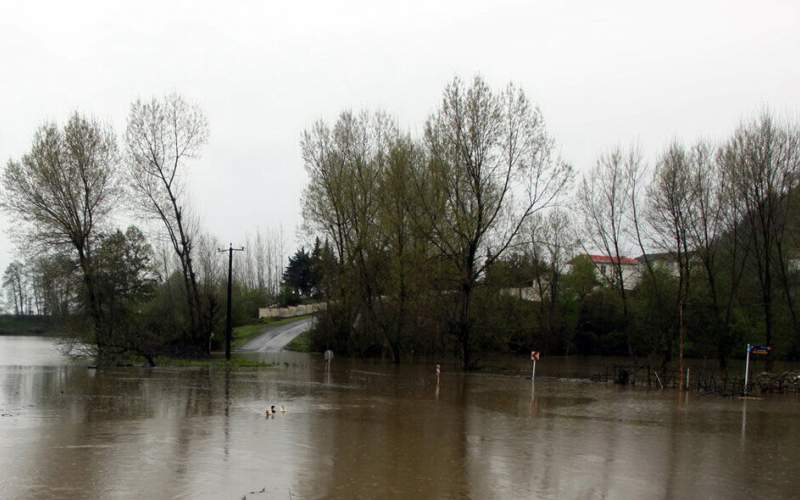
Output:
x,y
474,237
118,292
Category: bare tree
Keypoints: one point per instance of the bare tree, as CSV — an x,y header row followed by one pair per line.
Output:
x,y
491,166
62,191
261,266
715,239
272,245
260,257
14,283
53,281
672,215
552,244
606,203
162,137
762,162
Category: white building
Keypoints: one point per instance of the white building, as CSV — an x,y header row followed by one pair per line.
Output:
x,y
664,260
605,271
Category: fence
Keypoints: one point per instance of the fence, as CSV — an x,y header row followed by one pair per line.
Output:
x,y
700,380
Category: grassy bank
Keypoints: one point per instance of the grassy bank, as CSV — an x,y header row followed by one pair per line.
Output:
x,y
27,325
301,343
245,333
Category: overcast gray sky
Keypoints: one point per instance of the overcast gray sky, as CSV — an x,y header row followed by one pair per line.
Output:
x,y
603,72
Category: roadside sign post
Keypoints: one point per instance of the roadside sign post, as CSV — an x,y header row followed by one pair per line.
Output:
x,y
534,358
755,350
747,368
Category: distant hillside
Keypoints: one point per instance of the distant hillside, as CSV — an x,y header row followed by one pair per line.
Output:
x,y
27,325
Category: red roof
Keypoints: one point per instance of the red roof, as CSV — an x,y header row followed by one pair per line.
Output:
x,y
605,259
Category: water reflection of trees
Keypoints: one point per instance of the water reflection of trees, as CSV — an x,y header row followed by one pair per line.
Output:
x,y
388,440
380,433
100,432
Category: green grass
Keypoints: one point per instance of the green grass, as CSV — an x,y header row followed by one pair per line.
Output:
x,y
235,362
301,343
245,333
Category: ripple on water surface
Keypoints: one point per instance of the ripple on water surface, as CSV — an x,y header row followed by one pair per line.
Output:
x,y
377,431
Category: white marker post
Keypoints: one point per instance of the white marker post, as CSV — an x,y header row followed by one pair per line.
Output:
x,y
534,358
747,368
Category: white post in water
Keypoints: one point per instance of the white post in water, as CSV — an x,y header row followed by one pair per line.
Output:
x,y
747,369
534,358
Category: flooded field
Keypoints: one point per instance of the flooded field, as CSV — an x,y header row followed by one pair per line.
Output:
x,y
370,430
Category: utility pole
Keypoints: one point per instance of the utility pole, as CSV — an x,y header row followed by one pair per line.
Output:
x,y
228,319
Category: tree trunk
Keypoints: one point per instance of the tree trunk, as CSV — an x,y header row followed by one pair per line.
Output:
x,y
91,294
767,294
189,300
681,343
790,303
464,326
204,324
401,322
624,296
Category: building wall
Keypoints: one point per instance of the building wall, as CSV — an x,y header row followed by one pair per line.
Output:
x,y
607,274
290,312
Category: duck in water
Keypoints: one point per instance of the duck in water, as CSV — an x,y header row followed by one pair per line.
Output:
x,y
272,410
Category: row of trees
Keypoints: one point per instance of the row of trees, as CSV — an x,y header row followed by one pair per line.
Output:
x,y
465,239
40,286
430,237
414,224
121,294
17,284
724,214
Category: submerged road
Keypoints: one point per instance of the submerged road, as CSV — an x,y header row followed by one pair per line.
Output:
x,y
275,338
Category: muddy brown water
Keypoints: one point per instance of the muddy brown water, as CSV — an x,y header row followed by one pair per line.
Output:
x,y
371,430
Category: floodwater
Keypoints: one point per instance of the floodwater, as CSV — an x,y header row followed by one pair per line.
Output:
x,y
371,430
